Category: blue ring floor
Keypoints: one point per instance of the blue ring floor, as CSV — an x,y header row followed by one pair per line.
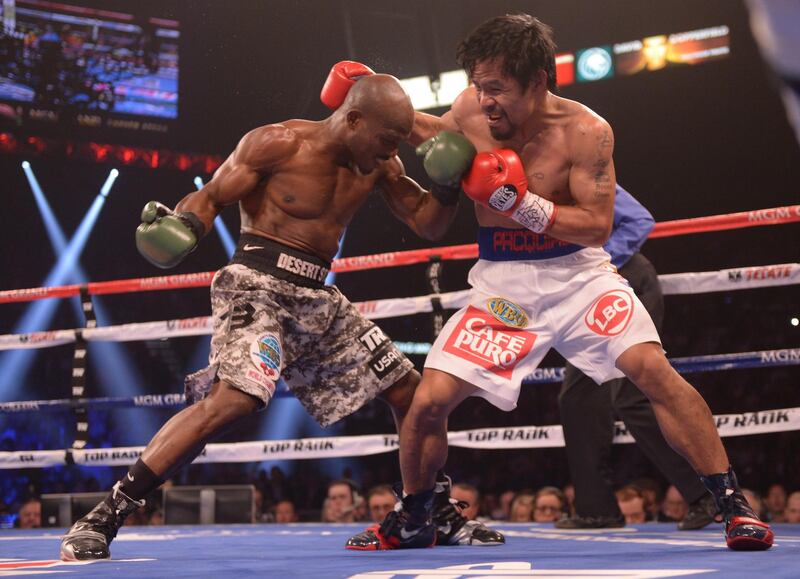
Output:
x,y
317,550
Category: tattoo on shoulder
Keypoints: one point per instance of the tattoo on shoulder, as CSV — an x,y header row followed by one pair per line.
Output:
x,y
604,141
602,180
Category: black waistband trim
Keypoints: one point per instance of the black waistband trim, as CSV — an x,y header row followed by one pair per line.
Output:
x,y
281,261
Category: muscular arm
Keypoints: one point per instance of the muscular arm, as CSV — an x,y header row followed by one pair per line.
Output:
x,y
427,126
256,155
591,181
414,206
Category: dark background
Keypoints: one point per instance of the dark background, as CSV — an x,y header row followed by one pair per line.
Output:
x,y
690,141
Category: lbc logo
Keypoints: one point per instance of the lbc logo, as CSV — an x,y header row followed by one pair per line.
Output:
x,y
610,314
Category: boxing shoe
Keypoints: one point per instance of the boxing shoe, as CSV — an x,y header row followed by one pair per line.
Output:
x,y
408,526
453,528
701,513
601,522
744,531
89,537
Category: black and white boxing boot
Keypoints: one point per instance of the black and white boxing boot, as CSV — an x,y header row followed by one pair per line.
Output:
x,y
90,537
452,527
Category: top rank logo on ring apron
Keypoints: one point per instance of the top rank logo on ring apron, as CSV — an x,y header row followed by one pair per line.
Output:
x,y
611,313
481,339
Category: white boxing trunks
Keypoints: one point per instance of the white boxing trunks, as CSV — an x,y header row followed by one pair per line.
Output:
x,y
575,302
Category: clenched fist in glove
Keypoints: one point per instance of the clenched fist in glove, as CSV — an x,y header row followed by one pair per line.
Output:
x,y
497,180
165,237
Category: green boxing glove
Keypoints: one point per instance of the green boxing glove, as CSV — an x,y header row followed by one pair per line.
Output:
x,y
166,237
447,157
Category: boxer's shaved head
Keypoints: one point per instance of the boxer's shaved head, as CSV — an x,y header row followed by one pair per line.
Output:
x,y
381,96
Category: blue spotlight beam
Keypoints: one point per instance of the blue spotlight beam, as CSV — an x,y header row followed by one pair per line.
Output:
x,y
219,225
106,188
224,236
331,279
111,361
57,238
14,365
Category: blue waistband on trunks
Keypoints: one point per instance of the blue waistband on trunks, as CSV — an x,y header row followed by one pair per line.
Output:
x,y
501,244
281,261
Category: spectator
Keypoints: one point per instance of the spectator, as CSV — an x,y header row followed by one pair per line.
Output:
x,y
156,517
342,502
631,503
30,514
489,504
469,494
259,513
503,511
521,509
285,512
652,493
548,505
674,507
278,488
792,511
327,515
776,503
380,500
138,518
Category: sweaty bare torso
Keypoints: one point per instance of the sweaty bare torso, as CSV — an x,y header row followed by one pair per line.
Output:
x,y
307,199
547,155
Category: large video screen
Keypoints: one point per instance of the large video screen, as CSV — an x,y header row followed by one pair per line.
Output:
x,y
60,60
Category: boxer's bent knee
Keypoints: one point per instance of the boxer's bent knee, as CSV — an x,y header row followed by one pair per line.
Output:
x,y
224,405
438,394
647,367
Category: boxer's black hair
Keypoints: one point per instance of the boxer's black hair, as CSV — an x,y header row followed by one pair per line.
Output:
x,y
523,42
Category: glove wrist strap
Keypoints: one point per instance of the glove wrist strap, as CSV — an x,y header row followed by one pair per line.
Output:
x,y
535,213
193,222
446,196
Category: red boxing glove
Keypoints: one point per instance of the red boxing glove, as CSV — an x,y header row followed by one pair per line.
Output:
x,y
497,180
343,75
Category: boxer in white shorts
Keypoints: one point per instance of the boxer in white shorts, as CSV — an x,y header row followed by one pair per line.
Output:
x,y
576,303
543,183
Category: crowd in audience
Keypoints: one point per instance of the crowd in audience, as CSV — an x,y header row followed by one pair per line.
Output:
x,y
277,500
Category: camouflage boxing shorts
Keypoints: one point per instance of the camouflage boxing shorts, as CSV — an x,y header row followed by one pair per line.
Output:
x,y
274,317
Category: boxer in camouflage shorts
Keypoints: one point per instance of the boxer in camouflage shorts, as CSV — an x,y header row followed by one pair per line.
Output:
x,y
298,184
270,322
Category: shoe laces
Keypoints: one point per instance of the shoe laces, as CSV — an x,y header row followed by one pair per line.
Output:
x,y
735,505
455,506
451,513
117,510
394,520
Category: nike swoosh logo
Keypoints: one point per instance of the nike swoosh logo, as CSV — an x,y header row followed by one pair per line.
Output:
x,y
130,478
409,534
248,247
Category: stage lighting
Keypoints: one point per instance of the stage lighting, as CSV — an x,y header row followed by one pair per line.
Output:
x,y
222,230
112,176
